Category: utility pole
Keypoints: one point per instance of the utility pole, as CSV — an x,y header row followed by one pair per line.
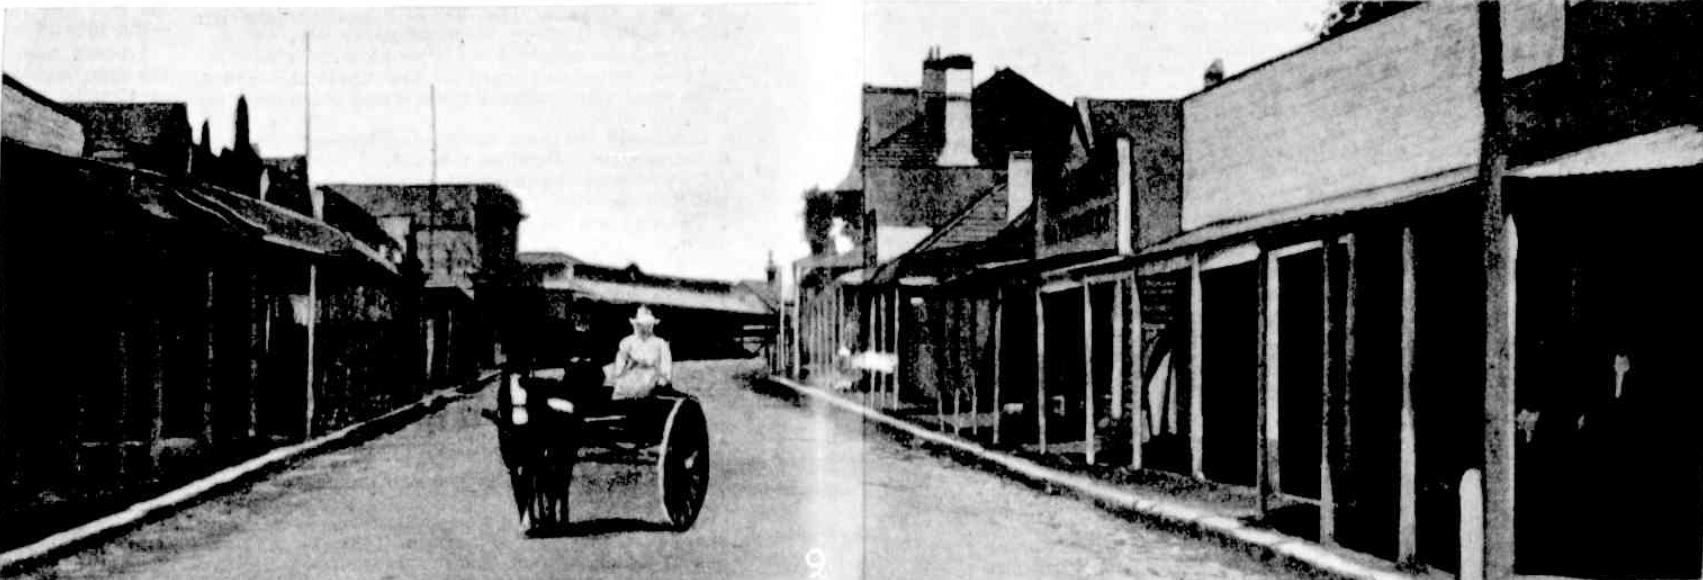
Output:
x,y
312,319
434,97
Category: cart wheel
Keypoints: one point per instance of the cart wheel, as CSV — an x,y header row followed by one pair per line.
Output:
x,y
683,466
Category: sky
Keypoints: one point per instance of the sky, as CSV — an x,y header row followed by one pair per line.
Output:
x,y
678,137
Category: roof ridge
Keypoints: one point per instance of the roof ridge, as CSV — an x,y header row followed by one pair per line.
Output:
x,y
939,231
895,134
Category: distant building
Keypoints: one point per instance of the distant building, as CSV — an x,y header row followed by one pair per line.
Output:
x,y
589,305
464,238
284,181
923,156
459,231
151,136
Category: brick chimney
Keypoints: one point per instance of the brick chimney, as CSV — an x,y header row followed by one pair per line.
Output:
x,y
1019,184
946,85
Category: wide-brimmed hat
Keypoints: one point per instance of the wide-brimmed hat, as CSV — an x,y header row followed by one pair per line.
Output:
x,y
643,316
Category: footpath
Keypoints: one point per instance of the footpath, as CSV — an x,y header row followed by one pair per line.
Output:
x,y
171,502
1217,517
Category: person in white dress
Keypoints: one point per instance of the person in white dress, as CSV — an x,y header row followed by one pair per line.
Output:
x,y
643,361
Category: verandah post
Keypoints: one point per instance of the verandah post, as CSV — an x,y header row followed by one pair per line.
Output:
x,y
1088,447
1137,420
1266,421
998,358
898,346
1197,433
1500,251
1327,397
1040,372
312,325
1407,518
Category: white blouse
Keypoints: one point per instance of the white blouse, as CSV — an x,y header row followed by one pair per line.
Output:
x,y
640,365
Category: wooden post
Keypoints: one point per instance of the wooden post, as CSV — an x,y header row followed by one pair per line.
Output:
x,y
124,353
1327,400
866,307
1088,447
258,315
1350,329
816,331
898,346
877,388
1501,247
1137,420
1266,422
1040,372
156,379
1407,518
998,358
1119,350
209,363
977,306
1197,440
942,346
890,391
797,342
812,332
312,328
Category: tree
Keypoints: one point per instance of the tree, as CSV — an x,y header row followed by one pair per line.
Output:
x,y
1345,16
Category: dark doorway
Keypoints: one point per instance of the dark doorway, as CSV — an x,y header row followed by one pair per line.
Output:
x,y
1017,423
1367,491
1448,373
1111,437
1065,370
1608,320
1229,389
1300,386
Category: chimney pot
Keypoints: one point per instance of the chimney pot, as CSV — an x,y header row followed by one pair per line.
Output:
x,y
1215,72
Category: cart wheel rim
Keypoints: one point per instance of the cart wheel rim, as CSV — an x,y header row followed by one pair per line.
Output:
x,y
683,465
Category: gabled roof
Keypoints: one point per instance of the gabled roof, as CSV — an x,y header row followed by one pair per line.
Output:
x,y
969,236
895,161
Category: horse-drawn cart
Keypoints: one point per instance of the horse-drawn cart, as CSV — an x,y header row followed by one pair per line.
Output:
x,y
550,420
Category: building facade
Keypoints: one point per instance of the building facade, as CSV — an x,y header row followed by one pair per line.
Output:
x,y
1426,262
157,326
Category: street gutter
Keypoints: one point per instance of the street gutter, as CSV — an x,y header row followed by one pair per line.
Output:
x,y
1268,544
198,490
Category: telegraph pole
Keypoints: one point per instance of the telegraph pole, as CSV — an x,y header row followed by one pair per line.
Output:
x,y
312,319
